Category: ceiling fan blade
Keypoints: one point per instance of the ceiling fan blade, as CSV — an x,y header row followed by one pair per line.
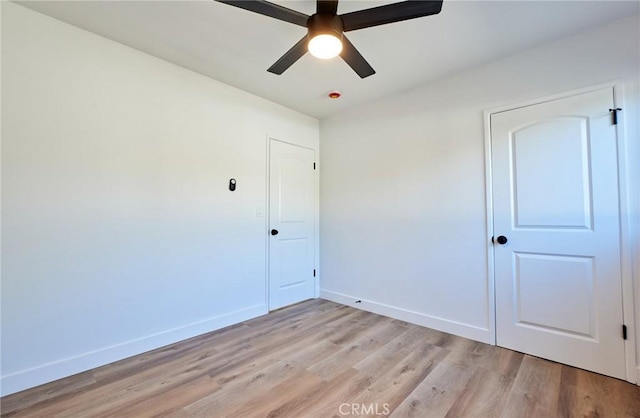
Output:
x,y
390,13
327,6
355,60
270,9
291,56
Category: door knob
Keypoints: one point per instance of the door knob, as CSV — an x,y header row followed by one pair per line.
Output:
x,y
274,232
502,240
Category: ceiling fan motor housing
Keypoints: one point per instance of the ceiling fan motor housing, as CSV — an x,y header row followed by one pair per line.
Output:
x,y
324,24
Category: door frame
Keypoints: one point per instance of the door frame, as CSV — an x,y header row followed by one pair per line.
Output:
x,y
267,215
626,223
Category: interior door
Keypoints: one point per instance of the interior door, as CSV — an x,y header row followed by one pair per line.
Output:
x,y
292,224
557,231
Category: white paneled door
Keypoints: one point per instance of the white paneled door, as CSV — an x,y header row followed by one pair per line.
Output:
x,y
291,223
557,232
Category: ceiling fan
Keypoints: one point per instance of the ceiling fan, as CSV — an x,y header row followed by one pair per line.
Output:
x,y
325,29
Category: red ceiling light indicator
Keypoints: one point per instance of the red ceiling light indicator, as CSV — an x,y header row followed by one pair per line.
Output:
x,y
335,94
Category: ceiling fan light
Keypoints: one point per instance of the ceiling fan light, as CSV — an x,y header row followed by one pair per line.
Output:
x,y
325,46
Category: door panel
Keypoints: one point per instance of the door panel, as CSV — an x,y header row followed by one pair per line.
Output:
x,y
537,288
291,212
541,198
558,279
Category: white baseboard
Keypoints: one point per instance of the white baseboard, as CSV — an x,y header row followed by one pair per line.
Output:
x,y
440,324
49,372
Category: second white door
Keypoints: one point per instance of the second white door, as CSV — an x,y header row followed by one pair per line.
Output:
x,y
557,230
291,224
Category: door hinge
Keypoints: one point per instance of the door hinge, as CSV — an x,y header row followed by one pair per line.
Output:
x,y
624,332
314,166
314,272
614,115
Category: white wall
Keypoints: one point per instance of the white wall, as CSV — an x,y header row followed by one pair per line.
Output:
x,y
403,215
119,234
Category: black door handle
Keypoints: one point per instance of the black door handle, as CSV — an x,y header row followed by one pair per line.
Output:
x,y
502,240
274,232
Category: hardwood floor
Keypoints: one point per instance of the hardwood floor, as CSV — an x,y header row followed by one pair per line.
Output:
x,y
321,359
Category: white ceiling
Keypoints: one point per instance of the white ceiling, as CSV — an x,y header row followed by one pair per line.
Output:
x,y
236,46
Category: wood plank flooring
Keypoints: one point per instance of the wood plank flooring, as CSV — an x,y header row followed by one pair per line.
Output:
x,y
321,359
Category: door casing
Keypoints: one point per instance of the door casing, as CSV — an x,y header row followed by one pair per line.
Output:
x,y
632,370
